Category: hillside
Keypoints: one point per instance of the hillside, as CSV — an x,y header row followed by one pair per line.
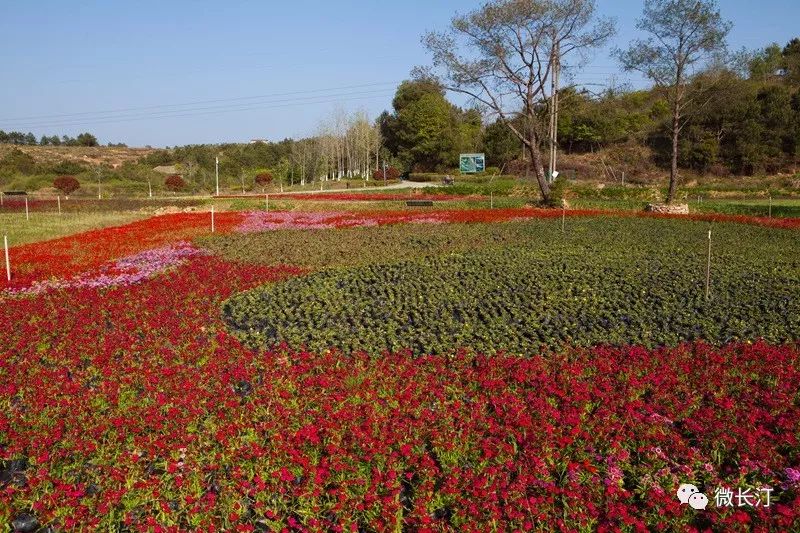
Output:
x,y
87,155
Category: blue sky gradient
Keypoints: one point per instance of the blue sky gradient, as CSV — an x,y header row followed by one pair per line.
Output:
x,y
64,61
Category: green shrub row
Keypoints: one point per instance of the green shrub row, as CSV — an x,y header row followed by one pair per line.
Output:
x,y
606,281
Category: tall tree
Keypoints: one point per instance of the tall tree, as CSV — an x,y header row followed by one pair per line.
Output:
x,y
791,61
503,54
683,34
425,131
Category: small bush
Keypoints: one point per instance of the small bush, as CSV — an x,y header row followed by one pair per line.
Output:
x,y
391,174
174,182
558,191
263,179
419,177
66,184
66,167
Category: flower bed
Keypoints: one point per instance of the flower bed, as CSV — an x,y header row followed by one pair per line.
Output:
x,y
359,196
266,221
125,271
69,257
521,285
129,407
125,405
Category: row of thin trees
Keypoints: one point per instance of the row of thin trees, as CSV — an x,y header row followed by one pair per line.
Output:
x,y
347,145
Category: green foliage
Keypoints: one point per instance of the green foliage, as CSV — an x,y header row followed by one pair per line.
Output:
x,y
345,247
17,137
67,167
17,162
615,281
426,132
589,122
86,139
500,144
558,191
29,139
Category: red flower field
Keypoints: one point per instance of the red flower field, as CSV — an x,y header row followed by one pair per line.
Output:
x,y
74,255
131,408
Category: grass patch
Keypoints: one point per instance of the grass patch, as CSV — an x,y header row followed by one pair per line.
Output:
x,y
47,225
521,285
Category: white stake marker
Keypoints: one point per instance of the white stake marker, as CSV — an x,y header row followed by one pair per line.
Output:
x,y
212,219
59,204
708,267
8,263
27,216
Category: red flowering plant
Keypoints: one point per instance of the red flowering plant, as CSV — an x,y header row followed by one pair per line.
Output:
x,y
66,184
174,182
390,173
140,412
263,179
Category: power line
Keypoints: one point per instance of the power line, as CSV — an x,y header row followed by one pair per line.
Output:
x,y
198,102
112,120
166,113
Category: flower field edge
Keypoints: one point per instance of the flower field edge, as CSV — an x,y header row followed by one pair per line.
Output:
x,y
141,412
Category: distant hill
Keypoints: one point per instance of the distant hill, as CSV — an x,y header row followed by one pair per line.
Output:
x,y
95,155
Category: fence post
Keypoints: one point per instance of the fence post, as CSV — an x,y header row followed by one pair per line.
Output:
x,y
708,266
27,216
770,206
212,219
8,263
59,204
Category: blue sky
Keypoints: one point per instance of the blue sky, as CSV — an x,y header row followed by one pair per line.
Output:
x,y
64,61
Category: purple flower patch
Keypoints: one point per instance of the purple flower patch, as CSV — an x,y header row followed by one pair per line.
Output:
x,y
125,271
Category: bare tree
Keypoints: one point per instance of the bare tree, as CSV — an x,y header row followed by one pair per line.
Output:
x,y
682,34
502,55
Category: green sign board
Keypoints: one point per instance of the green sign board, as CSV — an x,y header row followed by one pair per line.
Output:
x,y
472,163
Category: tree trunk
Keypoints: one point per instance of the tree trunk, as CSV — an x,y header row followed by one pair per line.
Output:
x,y
673,172
538,169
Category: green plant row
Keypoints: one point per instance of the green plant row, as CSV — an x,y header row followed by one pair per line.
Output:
x,y
605,281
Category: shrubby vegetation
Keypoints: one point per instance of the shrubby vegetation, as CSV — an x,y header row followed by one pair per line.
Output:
x,y
174,182
606,281
66,184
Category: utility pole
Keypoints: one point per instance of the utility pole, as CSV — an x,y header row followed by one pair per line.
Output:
x,y
216,172
556,68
